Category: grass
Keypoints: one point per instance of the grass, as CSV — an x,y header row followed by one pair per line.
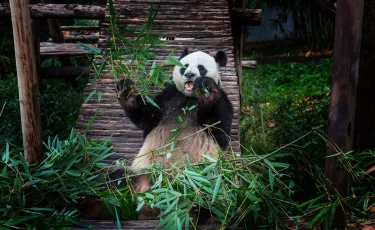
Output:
x,y
282,102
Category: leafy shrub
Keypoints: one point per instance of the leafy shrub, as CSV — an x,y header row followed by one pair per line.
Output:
x,y
249,192
59,107
43,195
281,103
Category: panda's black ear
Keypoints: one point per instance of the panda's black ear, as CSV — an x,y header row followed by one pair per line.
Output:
x,y
221,58
184,53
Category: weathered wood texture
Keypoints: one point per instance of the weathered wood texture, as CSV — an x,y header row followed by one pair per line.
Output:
x,y
60,11
27,80
62,49
35,25
249,64
206,23
364,128
347,46
90,28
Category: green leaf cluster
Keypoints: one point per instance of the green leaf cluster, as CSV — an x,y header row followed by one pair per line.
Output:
x,y
44,194
237,193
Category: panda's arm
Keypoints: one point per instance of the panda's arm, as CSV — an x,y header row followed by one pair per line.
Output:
x,y
214,106
141,112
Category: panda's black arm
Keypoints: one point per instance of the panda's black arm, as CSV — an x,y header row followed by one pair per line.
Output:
x,y
219,109
141,112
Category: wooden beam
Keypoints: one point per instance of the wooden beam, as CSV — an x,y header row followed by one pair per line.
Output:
x,y
238,40
246,17
249,64
55,30
62,49
27,80
35,25
88,28
80,38
348,30
61,11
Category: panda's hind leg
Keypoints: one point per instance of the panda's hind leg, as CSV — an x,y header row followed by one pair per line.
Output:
x,y
143,184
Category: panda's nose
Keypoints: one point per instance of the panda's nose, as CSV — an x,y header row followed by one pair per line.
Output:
x,y
189,75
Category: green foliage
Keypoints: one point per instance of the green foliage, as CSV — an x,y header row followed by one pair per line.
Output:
x,y
130,53
59,107
290,98
237,193
43,195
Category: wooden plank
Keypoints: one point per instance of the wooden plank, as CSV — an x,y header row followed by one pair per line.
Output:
x,y
27,81
63,49
60,11
87,28
249,64
348,30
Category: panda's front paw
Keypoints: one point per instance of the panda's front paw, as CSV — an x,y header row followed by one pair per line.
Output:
x,y
125,92
124,85
206,89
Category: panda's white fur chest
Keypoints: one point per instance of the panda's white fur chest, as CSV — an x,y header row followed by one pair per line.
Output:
x,y
180,122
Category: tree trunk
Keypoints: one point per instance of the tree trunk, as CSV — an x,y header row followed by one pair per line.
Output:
x,y
27,80
343,98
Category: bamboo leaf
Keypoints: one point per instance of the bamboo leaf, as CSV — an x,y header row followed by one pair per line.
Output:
x,y
271,176
172,60
151,101
88,98
90,48
217,188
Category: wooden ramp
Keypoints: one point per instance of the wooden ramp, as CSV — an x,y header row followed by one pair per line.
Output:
x,y
196,24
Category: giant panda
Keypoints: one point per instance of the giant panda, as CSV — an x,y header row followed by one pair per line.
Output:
x,y
193,101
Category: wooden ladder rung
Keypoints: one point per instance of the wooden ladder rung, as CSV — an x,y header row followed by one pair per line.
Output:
x,y
62,49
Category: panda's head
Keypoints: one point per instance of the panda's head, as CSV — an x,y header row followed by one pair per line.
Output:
x,y
197,64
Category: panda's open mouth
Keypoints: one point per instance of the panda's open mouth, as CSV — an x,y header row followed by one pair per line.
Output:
x,y
189,86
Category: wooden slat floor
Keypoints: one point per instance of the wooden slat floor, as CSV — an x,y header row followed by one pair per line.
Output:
x,y
205,22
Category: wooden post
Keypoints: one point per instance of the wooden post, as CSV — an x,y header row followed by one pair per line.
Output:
x,y
237,32
27,80
55,30
364,129
35,30
347,46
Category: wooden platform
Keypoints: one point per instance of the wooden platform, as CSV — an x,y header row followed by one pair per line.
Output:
x,y
202,25
205,23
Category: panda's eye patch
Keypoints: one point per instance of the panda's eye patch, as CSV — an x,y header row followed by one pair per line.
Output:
x,y
202,70
182,70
